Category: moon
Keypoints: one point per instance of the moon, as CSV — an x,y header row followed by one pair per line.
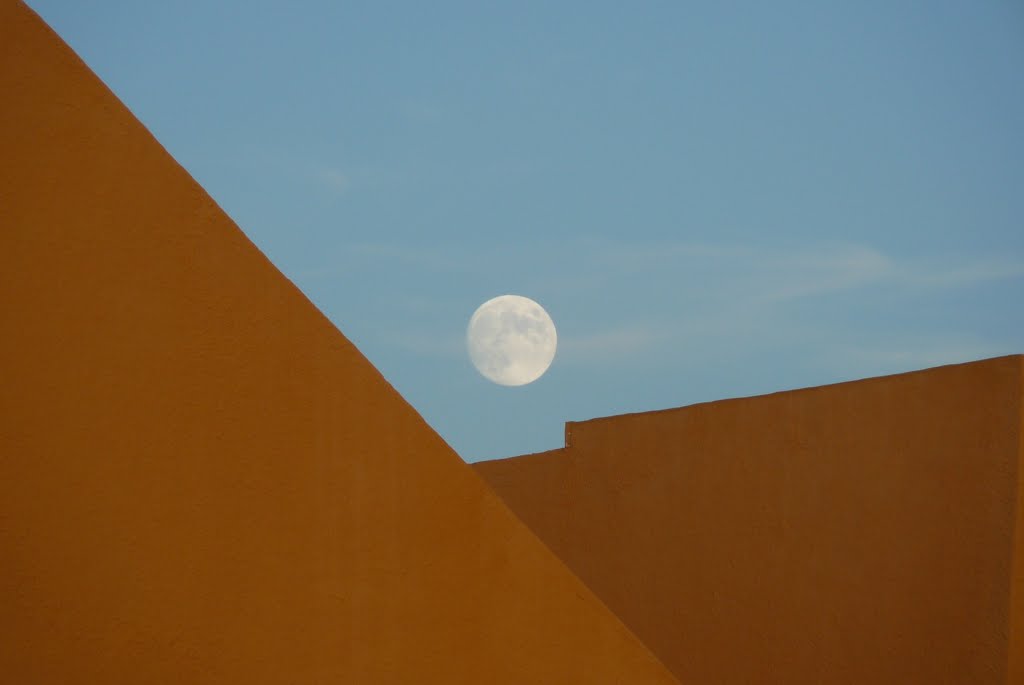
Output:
x,y
511,340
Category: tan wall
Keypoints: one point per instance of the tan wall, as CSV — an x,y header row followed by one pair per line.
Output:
x,y
855,533
201,480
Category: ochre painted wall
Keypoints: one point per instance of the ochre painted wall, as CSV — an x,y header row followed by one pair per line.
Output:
x,y
1016,659
856,533
201,479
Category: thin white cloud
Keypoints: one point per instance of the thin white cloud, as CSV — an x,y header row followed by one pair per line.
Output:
x,y
709,272
607,345
909,353
775,274
968,273
335,180
779,276
654,300
425,343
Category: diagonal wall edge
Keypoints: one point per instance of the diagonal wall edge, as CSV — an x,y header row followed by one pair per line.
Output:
x,y
201,479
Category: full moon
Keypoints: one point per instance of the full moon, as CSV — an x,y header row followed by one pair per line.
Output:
x,y
511,340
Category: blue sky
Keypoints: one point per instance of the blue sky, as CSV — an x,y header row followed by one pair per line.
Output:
x,y
711,199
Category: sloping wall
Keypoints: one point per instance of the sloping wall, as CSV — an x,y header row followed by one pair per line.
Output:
x,y
861,532
201,479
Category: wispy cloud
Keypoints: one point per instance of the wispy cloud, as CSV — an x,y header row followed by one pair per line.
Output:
x,y
853,267
758,274
425,343
646,303
434,259
908,352
334,180
609,345
777,274
967,273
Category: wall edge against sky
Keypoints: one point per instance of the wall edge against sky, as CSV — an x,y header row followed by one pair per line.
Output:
x,y
577,424
990,390
63,65
303,296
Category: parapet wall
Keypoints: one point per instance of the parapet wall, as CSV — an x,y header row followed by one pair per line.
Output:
x,y
864,532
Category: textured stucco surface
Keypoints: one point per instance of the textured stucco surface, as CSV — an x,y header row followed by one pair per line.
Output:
x,y
201,479
858,533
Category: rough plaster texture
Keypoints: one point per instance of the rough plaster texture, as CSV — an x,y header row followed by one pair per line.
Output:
x,y
864,532
201,479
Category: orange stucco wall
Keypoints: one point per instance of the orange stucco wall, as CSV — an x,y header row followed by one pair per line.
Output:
x,y
859,533
201,479
1016,646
